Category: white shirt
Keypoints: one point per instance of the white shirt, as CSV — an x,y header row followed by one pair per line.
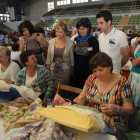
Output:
x,y
111,44
73,37
10,73
30,80
15,55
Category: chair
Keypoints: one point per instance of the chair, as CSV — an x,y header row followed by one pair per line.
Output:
x,y
68,88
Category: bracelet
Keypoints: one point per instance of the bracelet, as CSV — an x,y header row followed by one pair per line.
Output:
x,y
120,111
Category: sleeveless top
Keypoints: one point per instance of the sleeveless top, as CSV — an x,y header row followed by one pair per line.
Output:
x,y
34,46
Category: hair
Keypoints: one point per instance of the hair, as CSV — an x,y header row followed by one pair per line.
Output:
x,y
15,40
105,14
40,30
100,59
85,22
24,57
15,47
61,24
52,33
1,32
6,51
26,24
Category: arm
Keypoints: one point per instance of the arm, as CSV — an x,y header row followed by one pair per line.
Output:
x,y
136,61
72,55
48,60
42,40
125,55
22,45
18,79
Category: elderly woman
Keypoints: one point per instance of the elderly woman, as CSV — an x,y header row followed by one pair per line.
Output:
x,y
107,92
60,59
8,68
35,76
85,46
33,41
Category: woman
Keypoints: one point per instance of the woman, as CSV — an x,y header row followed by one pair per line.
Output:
x,y
32,41
60,60
134,77
35,76
85,46
8,68
107,92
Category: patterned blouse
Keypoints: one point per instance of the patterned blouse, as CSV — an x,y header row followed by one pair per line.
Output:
x,y
119,95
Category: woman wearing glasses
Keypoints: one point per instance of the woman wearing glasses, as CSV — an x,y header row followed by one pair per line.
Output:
x,y
85,46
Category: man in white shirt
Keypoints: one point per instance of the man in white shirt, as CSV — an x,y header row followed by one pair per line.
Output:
x,y
112,41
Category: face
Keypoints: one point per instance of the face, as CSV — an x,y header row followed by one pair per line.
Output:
x,y
83,31
102,73
103,25
60,33
26,32
32,61
3,58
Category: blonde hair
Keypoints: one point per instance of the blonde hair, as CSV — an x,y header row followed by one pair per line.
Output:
x,y
61,24
6,51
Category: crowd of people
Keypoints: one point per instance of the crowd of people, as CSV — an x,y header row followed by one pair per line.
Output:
x,y
94,60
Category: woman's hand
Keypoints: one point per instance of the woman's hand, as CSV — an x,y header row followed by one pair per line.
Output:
x,y
45,102
110,109
58,100
80,100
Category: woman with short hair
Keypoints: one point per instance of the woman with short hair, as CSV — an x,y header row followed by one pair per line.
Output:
x,y
8,68
35,76
85,46
33,41
60,59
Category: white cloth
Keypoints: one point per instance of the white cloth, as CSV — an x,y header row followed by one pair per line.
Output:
x,y
73,37
10,73
4,87
15,55
111,44
133,40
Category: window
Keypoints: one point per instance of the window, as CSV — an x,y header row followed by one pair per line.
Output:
x,y
63,2
50,6
79,1
97,0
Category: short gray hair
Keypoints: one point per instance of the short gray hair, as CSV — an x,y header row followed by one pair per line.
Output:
x,y
6,51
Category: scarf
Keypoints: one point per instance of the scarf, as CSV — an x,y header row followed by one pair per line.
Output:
x,y
86,37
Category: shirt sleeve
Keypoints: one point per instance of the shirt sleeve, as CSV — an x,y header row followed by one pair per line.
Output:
x,y
13,71
89,82
122,38
126,93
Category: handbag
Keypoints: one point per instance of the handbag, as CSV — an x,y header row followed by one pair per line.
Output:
x,y
132,122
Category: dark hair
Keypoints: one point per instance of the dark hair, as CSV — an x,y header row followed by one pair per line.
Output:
x,y
40,30
26,24
1,32
15,40
52,33
24,57
100,59
85,22
105,14
15,47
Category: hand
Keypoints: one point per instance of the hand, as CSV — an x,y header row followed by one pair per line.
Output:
x,y
80,100
45,102
58,100
110,109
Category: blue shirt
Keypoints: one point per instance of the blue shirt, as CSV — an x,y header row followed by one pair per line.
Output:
x,y
2,39
137,68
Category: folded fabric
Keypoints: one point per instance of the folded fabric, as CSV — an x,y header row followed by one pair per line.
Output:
x,y
44,130
17,113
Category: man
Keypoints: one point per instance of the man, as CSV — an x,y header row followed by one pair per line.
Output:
x,y
2,38
74,34
112,41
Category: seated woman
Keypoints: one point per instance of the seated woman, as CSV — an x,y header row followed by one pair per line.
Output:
x,y
8,68
35,76
107,92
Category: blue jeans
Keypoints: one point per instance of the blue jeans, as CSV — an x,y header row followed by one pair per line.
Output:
x,y
11,95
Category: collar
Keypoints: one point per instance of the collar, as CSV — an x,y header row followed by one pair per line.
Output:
x,y
112,31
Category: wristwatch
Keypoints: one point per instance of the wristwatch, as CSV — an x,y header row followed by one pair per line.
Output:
x,y
120,111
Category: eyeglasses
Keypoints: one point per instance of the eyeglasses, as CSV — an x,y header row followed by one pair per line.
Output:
x,y
82,29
